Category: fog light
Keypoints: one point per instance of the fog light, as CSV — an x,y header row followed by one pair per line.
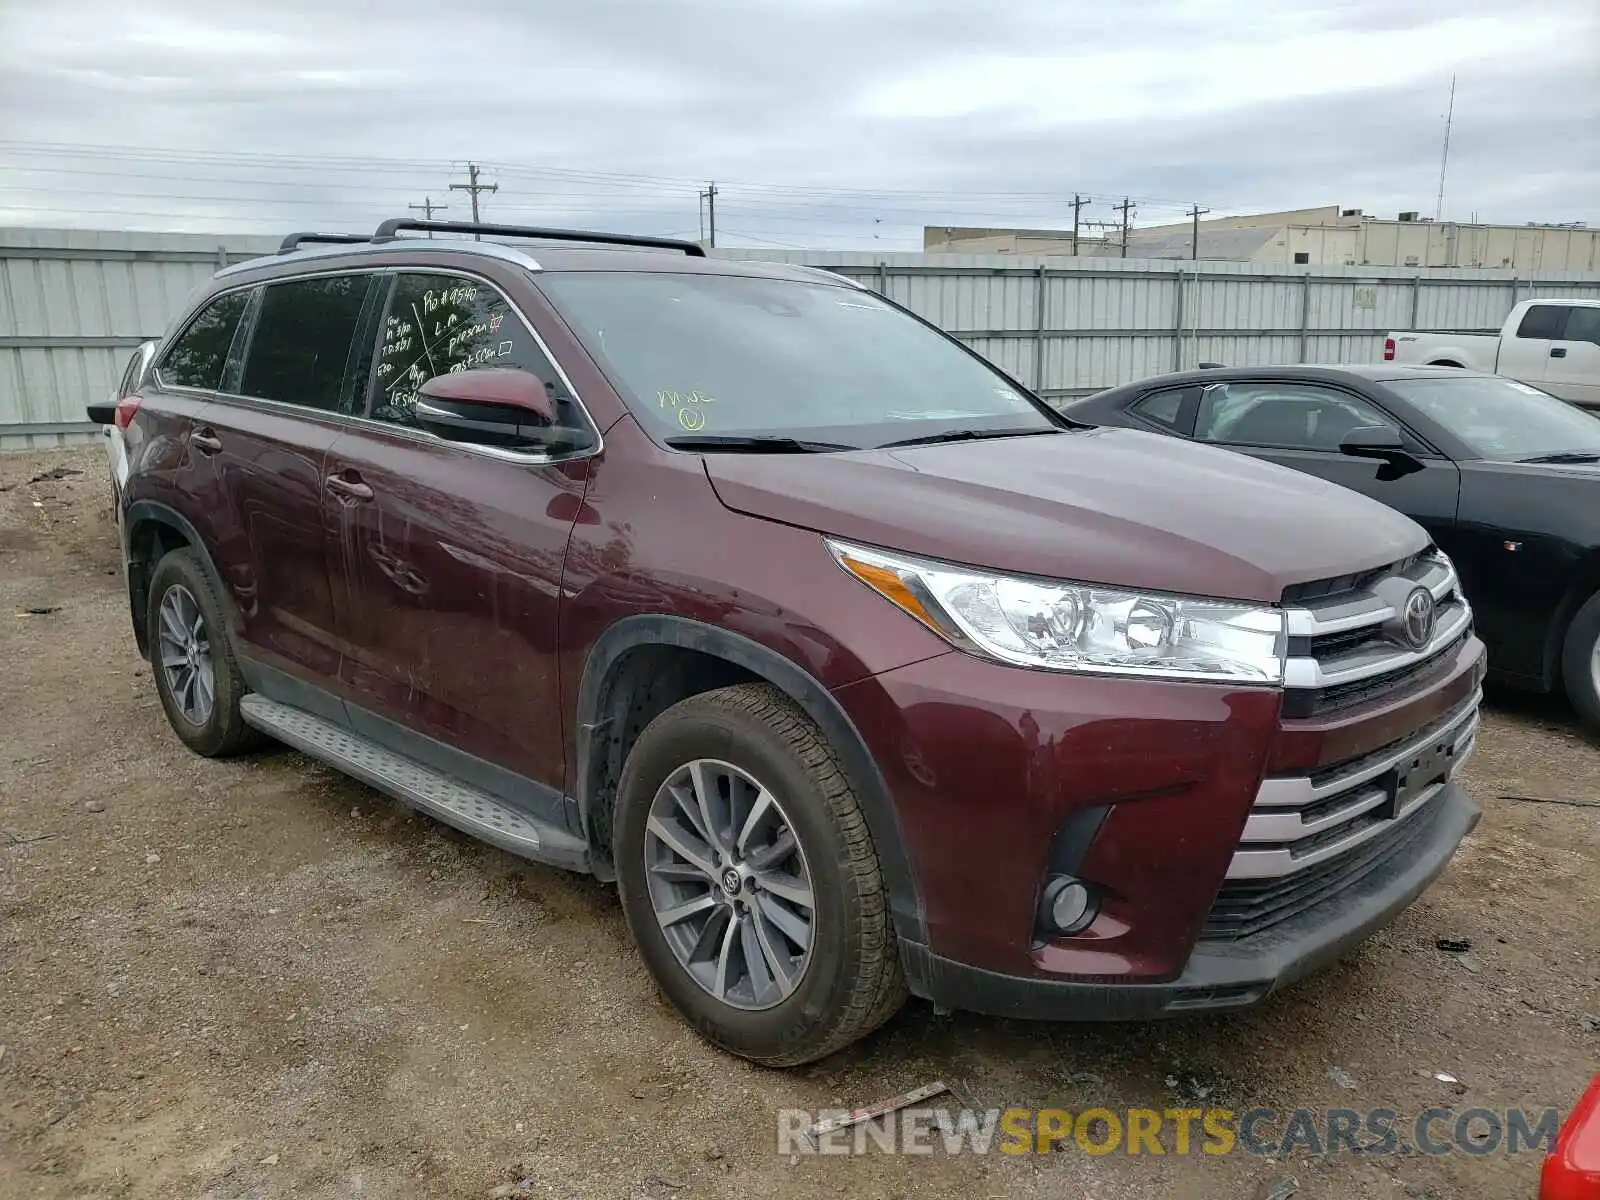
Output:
x,y
1068,904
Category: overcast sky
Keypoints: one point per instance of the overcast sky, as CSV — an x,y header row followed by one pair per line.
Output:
x,y
828,123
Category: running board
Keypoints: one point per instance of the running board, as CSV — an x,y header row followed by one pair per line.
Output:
x,y
455,803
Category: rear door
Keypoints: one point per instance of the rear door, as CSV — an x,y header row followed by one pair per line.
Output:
x,y
1301,425
164,441
451,555
1525,355
266,440
1572,369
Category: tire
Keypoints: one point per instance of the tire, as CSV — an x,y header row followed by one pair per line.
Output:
x,y
847,980
210,725
1580,666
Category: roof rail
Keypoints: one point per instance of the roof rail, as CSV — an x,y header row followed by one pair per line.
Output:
x,y
388,230
294,240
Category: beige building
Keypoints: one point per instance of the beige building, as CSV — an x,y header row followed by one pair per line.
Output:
x,y
1328,236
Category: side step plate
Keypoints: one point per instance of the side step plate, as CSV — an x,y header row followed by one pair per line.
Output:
x,y
440,796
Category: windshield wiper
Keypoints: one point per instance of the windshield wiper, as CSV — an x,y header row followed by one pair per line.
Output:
x,y
964,435
753,443
1564,456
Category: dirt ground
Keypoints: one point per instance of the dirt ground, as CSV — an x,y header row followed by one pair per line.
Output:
x,y
257,978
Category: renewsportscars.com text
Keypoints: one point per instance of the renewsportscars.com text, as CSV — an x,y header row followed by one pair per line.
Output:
x,y
1377,1132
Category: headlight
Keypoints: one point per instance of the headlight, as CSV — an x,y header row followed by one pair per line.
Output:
x,y
1075,626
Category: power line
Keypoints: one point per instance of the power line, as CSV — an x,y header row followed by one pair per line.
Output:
x,y
325,162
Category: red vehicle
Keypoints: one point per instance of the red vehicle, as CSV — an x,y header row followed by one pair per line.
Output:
x,y
857,667
1572,1169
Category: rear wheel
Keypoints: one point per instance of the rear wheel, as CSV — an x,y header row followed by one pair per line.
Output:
x,y
749,879
191,659
1580,661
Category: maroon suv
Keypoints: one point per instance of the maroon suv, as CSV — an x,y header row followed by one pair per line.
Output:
x,y
858,668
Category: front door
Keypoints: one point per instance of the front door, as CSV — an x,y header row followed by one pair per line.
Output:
x,y
1300,425
452,555
1525,353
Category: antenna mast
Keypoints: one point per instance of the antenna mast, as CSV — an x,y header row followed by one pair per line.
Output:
x,y
1444,158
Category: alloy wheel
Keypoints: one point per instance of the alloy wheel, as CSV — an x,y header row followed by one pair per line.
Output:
x,y
184,652
729,884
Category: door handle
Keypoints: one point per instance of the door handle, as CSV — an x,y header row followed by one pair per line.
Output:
x,y
349,489
205,440
1558,351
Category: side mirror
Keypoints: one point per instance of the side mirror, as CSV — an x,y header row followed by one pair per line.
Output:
x,y
1373,441
1382,442
492,406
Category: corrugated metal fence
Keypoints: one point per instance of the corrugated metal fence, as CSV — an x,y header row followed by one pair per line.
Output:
x,y
1071,327
73,304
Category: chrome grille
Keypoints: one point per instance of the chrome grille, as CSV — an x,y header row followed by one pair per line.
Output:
x,y
1310,836
1247,906
1348,648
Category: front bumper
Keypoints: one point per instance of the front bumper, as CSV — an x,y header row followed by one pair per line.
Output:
x,y
1219,974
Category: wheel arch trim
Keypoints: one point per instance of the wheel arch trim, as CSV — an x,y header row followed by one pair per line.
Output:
x,y
877,806
146,512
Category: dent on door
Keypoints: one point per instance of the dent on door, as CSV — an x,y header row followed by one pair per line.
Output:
x,y
269,483
450,579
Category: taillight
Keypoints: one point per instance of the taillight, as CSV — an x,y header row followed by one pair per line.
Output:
x,y
127,409
1388,349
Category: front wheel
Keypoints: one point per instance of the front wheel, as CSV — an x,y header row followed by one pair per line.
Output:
x,y
749,879
1580,661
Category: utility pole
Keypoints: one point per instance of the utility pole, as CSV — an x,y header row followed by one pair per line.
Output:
x,y
473,188
1194,245
710,197
1077,204
1125,208
427,208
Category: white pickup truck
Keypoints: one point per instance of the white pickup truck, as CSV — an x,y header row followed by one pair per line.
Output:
x,y
1553,344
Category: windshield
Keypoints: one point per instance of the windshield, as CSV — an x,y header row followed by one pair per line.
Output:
x,y
1501,419
731,356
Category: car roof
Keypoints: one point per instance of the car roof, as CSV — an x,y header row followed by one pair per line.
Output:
x,y
1313,372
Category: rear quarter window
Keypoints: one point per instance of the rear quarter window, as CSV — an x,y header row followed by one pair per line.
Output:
x,y
198,357
1161,408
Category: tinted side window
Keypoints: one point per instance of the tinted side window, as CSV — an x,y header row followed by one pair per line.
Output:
x,y
445,324
1161,407
1583,325
198,356
302,340
1543,321
1292,416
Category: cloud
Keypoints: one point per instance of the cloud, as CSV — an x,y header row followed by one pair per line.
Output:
x,y
846,123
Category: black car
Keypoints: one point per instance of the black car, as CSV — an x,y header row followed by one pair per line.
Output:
x,y
1505,477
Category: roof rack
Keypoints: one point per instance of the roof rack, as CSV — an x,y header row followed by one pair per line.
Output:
x,y
294,240
389,229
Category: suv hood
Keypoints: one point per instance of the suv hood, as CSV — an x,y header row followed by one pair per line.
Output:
x,y
1111,506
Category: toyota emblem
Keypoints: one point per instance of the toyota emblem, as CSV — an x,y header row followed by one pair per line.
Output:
x,y
1417,618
